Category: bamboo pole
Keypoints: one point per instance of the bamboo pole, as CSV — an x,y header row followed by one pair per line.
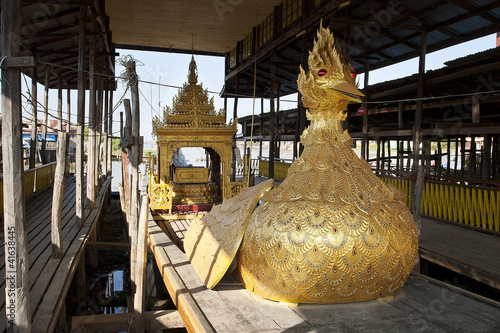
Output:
x,y
80,151
34,106
60,173
17,295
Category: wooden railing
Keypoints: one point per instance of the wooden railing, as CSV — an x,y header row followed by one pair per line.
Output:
x,y
473,202
281,167
35,180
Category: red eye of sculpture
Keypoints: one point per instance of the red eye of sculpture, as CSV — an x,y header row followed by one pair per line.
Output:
x,y
353,73
322,72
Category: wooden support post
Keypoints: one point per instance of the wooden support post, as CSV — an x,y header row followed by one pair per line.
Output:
x,y
408,159
277,150
439,160
364,136
135,161
91,163
389,158
106,131
110,131
261,120
418,187
80,117
98,119
34,107
401,147
472,157
427,155
141,264
462,156
45,116
486,157
457,141
272,116
382,160
301,110
59,177
17,296
378,154
448,155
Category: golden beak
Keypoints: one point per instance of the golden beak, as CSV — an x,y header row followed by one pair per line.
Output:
x,y
349,91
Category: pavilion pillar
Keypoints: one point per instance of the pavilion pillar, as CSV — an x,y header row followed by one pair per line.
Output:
x,y
272,121
91,163
80,117
34,107
17,295
45,116
418,168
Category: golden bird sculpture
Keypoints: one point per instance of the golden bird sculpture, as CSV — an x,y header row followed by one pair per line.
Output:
x,y
332,232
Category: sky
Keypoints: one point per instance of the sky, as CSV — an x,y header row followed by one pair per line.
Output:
x,y
172,69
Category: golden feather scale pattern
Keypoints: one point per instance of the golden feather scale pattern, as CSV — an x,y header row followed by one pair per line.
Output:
x,y
332,232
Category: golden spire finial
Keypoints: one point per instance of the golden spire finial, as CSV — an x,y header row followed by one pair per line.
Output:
x,y
329,84
193,72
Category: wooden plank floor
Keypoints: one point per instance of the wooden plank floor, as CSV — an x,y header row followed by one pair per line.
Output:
x,y
421,305
50,278
465,251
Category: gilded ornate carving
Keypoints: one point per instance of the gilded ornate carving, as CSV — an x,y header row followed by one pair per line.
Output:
x,y
192,121
332,232
192,109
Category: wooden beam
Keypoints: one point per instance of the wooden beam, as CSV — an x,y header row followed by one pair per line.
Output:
x,y
108,246
18,62
80,117
119,322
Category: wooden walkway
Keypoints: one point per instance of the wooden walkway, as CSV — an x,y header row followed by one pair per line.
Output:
x,y
50,278
465,251
421,305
